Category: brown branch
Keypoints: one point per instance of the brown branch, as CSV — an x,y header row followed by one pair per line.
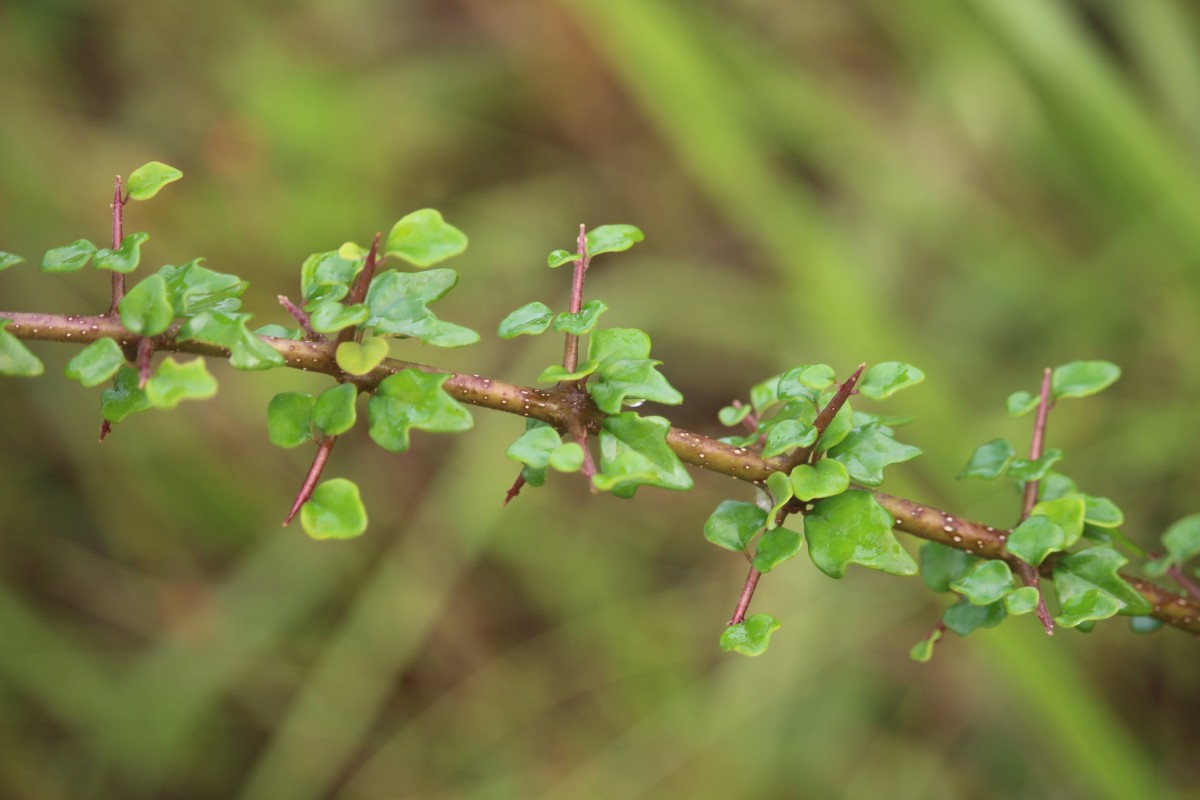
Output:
x,y
301,318
1029,575
311,477
571,347
514,490
739,613
559,407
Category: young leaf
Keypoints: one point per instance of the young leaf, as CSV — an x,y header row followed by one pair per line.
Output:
x,y
125,258
1182,541
423,239
884,380
124,398
567,457
985,583
583,322
147,310
96,363
775,547
335,511
15,359
1054,485
612,239
1089,588
825,479
334,411
1082,378
1021,601
174,382
733,415
327,276
557,372
228,330
734,524
634,452
530,319
411,399
922,651
68,258
280,332
1065,512
399,305
330,316
942,565
534,447
359,359
780,487
148,179
964,618
1036,538
989,460
9,260
788,434
1021,403
750,638
852,528
805,381
839,428
289,418
559,257
1102,512
193,288
1024,469
626,372
866,451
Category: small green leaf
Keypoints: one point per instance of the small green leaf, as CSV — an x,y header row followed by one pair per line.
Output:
x,y
1065,512
985,583
583,322
989,460
411,399
567,457
765,394
611,239
1021,403
942,565
359,359
1082,378
175,382
530,319
852,528
1102,512
193,288
733,415
9,260
775,547
805,381
1086,606
335,511
1021,601
922,651
964,618
148,179
15,359
280,332
634,452
327,276
1182,541
146,310
423,239
227,329
289,418
825,479
625,372
788,434
1054,485
733,524
780,487
884,380
1024,469
96,363
330,316
750,638
559,257
399,304
125,397
557,372
69,258
839,428
1036,538
865,452
125,258
334,411
534,447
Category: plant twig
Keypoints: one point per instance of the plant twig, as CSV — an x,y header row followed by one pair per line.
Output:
x,y
1028,574
743,604
145,351
831,409
514,490
301,318
359,293
311,478
118,233
1186,583
571,347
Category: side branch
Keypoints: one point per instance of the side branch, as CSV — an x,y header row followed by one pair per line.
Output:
x,y
563,408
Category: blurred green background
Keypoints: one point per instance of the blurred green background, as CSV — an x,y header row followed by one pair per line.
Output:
x,y
981,187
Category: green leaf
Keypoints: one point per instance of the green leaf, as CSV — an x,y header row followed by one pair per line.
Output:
x,y
1021,403
922,651
611,239
69,258
148,179
1036,538
733,524
780,487
1082,378
15,359
535,446
1054,485
335,511
775,547
567,457
884,380
1021,601
530,319
985,583
423,239
805,381
9,260
559,257
193,288
280,332
763,395
942,565
330,316
964,618
125,397
852,528
839,428
334,412
246,350
327,276
866,451
733,415
125,258
625,373
989,460
825,479
399,302
146,310
1182,541
557,372
289,418
750,638
583,322
1102,512
411,399
634,452
1024,469
1065,512
788,434
96,363
175,382
359,359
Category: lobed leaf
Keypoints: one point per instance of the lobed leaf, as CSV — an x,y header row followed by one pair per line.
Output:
x,y
289,418
1065,512
149,179
125,258
330,316
530,319
582,322
625,373
412,399
964,618
634,452
68,258
359,358
1024,469
96,363
1182,541
1036,538
226,329
865,452
175,382
750,638
147,310
824,479
193,288
852,528
942,565
534,447
125,397
327,276
985,583
334,410
423,239
335,511
805,381
399,305
733,524
884,380
788,434
989,460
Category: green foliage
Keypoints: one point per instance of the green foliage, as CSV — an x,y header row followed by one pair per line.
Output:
x,y
333,413
611,239
125,397
1021,601
335,511
399,306
559,257
775,547
330,316
15,358
423,239
68,258
802,381
867,449
787,434
922,651
733,524
780,487
412,399
1036,538
985,583
1025,469
193,288
147,310
852,528
556,373
634,452
125,258
942,565
964,618
96,363
149,179
1067,513
530,319
359,358
1182,541
327,276
582,322
9,260
174,382
290,418
824,479
542,447
228,329
1083,378
626,373
989,460
751,637
1021,403
881,381
1089,588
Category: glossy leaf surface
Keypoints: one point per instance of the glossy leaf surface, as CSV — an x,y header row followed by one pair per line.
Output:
x,y
96,363
852,528
289,418
751,637
1083,378
883,380
174,382
530,319
223,329
775,547
124,259
68,258
634,452
399,305
733,524
986,582
149,179
335,511
15,358
412,399
989,460
334,411
582,322
865,452
824,479
147,310
423,239
124,397
359,358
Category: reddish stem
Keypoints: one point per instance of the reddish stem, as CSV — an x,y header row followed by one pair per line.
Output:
x,y
827,414
1188,585
145,350
118,233
1038,444
514,490
739,613
105,430
301,317
571,348
310,480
